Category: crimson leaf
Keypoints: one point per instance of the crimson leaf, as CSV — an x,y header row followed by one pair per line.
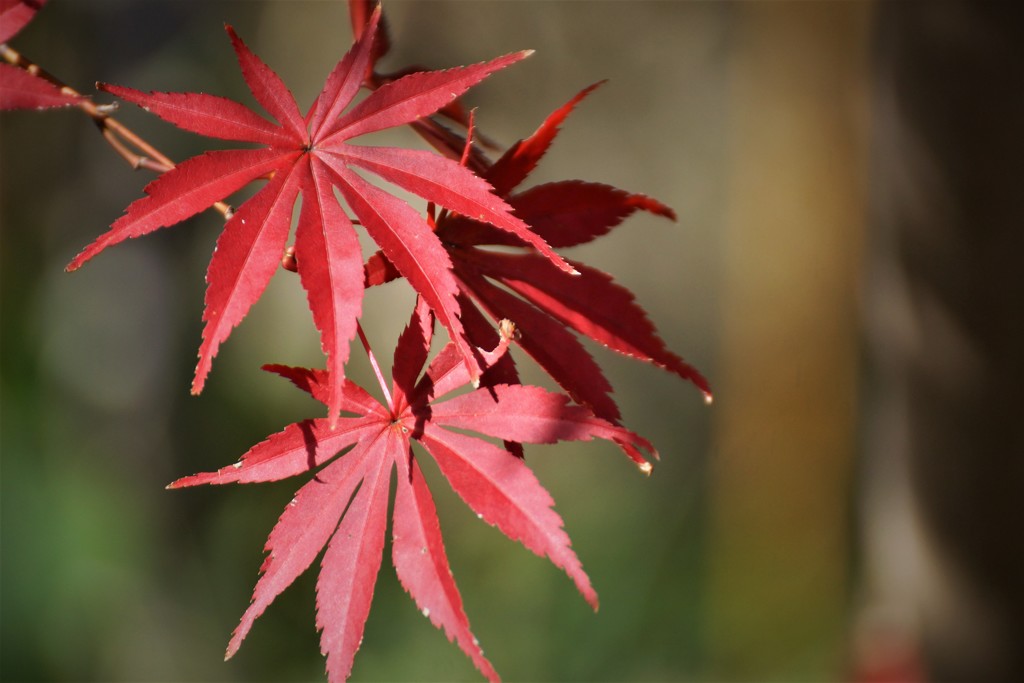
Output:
x,y
15,14
343,507
20,89
311,156
548,307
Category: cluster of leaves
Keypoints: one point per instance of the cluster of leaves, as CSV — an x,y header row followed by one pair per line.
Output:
x,y
445,254
499,487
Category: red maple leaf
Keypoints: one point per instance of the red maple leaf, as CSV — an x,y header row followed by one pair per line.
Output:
x,y
549,307
311,156
330,511
431,130
20,89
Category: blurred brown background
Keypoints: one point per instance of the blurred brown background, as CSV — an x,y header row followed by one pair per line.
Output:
x,y
847,270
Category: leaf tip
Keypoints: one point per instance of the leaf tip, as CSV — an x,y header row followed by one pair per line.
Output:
x,y
201,372
77,262
236,642
175,485
110,88
591,597
231,33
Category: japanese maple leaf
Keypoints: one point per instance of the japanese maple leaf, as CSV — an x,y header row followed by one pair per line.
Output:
x,y
312,156
21,89
438,136
548,307
329,510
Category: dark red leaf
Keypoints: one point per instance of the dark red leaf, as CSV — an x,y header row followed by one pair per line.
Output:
x,y
520,159
21,90
360,13
554,348
591,304
503,370
482,333
564,214
446,373
14,14
450,145
573,212
378,270
411,353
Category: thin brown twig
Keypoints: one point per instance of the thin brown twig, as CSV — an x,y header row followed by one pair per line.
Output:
x,y
128,145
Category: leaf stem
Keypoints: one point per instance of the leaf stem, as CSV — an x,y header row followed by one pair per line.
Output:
x,y
376,367
128,145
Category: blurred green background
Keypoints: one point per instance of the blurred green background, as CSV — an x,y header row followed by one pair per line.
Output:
x,y
738,559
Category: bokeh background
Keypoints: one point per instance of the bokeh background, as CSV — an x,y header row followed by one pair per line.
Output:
x,y
846,269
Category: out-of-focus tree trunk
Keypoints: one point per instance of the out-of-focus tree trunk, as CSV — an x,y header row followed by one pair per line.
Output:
x,y
944,476
786,388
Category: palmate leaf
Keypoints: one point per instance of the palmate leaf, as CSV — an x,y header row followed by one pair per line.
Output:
x,y
565,213
20,89
344,505
549,307
312,157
